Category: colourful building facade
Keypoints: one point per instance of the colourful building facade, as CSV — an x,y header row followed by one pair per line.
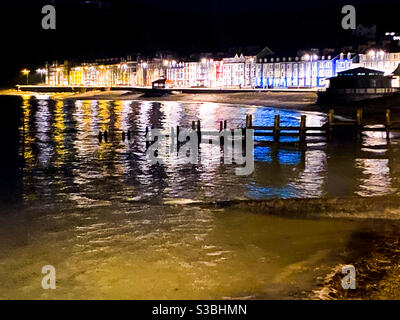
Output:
x,y
308,71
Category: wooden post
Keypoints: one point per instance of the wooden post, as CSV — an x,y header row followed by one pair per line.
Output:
x,y
277,121
147,142
388,123
198,132
106,136
250,120
247,121
177,138
225,124
303,121
193,125
129,135
100,136
359,123
330,124
359,117
221,139
123,136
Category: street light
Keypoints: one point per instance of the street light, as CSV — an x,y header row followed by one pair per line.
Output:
x,y
26,73
41,72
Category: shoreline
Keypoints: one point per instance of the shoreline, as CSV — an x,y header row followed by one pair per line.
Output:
x,y
289,100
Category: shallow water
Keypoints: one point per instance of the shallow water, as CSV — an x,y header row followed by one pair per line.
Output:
x,y
116,227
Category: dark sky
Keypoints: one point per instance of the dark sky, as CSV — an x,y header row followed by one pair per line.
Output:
x,y
131,26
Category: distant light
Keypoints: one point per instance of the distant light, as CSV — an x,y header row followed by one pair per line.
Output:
x,y
372,53
307,57
204,60
166,62
101,67
315,57
25,71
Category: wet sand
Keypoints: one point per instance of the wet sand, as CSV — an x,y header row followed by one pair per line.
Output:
x,y
302,101
376,258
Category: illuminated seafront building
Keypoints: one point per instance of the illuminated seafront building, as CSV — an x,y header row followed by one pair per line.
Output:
x,y
260,71
92,74
387,62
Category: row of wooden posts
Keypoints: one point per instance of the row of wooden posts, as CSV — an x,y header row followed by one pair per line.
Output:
x,y
277,130
327,130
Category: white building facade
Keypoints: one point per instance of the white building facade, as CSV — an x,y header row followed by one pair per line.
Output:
x,y
380,60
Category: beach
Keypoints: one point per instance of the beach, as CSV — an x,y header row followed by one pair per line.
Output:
x,y
289,100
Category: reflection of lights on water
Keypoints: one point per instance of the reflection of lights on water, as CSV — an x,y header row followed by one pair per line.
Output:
x,y
376,179
374,138
207,115
300,175
144,119
43,133
313,176
126,112
172,111
59,132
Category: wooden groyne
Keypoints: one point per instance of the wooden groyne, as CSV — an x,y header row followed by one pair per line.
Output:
x,y
327,131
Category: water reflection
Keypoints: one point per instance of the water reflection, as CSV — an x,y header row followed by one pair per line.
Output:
x,y
64,161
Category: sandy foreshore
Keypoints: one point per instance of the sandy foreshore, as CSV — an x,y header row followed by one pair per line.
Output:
x,y
288,100
375,256
297,100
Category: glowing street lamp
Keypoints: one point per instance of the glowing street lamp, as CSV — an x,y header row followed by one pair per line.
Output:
x,y
26,73
41,72
372,54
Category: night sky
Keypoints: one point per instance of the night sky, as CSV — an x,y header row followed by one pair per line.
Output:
x,y
119,28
